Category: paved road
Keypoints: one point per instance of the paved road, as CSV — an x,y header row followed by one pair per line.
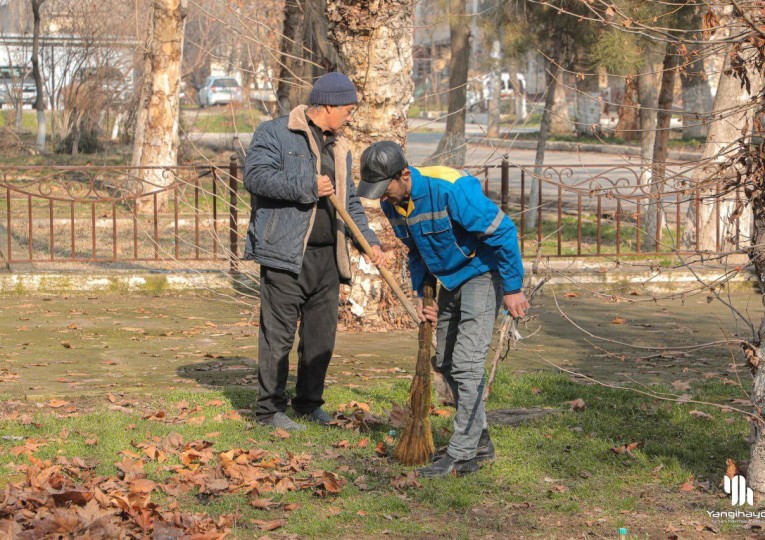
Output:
x,y
586,170
421,144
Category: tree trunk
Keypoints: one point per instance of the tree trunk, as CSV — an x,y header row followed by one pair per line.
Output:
x,y
18,107
362,36
156,135
494,112
756,472
648,101
560,118
627,125
697,95
654,211
551,78
451,148
291,71
520,104
587,105
40,98
731,115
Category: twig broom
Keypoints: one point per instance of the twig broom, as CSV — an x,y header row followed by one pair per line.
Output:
x,y
415,446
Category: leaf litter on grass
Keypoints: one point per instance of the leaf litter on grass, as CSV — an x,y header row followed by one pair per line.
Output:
x,y
66,497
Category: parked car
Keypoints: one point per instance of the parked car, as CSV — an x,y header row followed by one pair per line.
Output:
x,y
13,79
108,81
219,91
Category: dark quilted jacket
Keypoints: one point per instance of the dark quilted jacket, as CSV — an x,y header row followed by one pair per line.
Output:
x,y
280,172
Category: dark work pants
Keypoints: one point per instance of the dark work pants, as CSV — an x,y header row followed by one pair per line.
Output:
x,y
285,298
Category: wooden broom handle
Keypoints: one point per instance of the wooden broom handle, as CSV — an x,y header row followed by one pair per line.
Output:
x,y
384,272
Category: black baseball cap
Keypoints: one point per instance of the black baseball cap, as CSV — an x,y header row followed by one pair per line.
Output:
x,y
380,162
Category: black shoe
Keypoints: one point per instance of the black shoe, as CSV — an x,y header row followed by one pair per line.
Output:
x,y
485,450
317,415
448,465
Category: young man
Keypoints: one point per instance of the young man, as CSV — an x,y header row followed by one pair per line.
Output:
x,y
456,234
293,164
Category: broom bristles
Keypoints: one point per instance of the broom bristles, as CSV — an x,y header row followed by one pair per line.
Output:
x,y
415,445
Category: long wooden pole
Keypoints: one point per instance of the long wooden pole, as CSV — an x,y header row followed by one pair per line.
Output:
x,y
384,272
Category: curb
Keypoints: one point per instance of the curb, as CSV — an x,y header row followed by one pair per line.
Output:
x,y
564,146
124,283
608,278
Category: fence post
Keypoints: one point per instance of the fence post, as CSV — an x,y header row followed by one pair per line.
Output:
x,y
233,235
505,182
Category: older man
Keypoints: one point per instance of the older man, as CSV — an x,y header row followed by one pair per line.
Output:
x,y
456,234
293,164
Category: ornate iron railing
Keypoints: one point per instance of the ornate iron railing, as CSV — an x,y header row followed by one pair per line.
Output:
x,y
127,214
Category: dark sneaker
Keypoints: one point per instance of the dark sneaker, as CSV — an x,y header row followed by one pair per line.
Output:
x,y
319,416
449,465
485,450
281,420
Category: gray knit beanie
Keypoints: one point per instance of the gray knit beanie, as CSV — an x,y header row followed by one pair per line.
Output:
x,y
333,89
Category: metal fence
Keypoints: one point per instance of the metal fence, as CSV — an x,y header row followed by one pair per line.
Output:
x,y
110,214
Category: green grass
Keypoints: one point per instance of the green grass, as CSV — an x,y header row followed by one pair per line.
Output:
x,y
569,233
220,119
571,449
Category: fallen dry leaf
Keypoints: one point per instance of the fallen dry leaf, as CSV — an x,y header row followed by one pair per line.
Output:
x,y
577,404
406,480
700,414
262,504
618,320
397,416
281,433
731,469
331,482
688,485
269,525
57,403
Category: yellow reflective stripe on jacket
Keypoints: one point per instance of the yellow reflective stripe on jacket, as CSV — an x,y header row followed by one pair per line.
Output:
x,y
441,173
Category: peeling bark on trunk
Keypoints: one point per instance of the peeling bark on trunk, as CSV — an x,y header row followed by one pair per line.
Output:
x,y
730,118
156,135
374,41
451,148
653,214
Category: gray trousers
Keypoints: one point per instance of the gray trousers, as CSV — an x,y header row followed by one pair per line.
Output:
x,y
465,325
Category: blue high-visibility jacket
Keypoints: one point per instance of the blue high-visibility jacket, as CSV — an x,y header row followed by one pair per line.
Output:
x,y
454,232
